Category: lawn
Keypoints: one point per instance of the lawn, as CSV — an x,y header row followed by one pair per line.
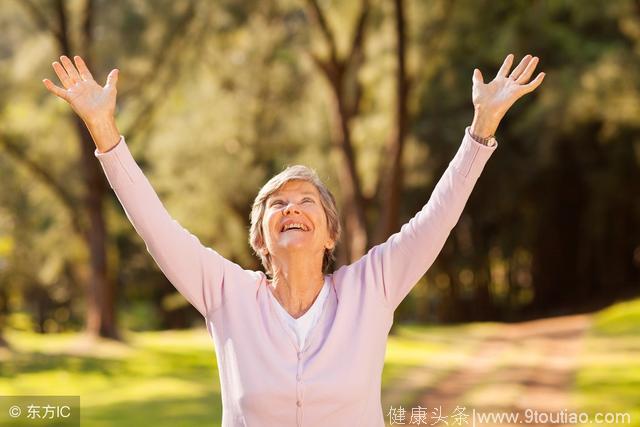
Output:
x,y
608,380
160,378
170,378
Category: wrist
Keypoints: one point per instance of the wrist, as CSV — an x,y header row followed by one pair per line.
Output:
x,y
104,132
97,122
484,124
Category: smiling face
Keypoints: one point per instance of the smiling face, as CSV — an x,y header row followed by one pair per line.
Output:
x,y
295,221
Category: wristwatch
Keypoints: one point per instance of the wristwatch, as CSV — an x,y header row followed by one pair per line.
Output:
x,y
489,141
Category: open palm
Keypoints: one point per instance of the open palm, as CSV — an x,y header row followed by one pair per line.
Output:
x,y
87,98
497,96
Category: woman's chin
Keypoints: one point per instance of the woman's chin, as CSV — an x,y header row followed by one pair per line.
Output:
x,y
294,242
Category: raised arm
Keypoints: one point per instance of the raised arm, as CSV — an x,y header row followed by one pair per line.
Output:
x,y
197,272
398,263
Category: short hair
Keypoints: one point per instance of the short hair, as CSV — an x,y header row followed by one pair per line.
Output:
x,y
328,202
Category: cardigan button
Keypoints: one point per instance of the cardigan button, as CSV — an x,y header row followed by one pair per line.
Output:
x,y
299,355
299,403
298,377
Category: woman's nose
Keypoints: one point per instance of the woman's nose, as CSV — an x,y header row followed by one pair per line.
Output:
x,y
291,207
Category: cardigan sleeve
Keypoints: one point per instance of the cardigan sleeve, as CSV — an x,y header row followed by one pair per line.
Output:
x,y
398,263
196,271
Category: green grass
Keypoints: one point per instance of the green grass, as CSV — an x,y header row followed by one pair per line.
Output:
x,y
609,376
170,378
160,378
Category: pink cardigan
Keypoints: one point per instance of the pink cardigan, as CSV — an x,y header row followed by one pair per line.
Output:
x,y
265,379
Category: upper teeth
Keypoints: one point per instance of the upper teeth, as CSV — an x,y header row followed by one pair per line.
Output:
x,y
294,225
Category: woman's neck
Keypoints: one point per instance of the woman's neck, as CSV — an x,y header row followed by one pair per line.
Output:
x,y
296,285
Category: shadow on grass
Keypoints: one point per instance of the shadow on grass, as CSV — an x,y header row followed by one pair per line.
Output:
x,y
29,362
205,410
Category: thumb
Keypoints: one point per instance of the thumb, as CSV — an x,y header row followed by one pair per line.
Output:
x,y
477,76
112,78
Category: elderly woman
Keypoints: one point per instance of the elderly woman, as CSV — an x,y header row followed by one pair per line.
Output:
x,y
296,346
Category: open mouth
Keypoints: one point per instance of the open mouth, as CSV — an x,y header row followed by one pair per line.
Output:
x,y
294,226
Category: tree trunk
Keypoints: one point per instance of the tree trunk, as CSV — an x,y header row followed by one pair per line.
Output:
x,y
341,75
390,178
351,194
101,312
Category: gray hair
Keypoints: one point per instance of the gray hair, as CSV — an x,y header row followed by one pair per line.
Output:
x,y
301,173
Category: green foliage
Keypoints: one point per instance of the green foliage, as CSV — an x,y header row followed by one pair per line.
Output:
x,y
563,186
216,97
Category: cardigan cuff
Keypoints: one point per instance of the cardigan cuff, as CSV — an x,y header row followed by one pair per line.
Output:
x,y
118,164
472,156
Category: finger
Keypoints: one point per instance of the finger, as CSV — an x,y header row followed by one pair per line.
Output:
x,y
477,76
531,86
520,68
58,91
526,74
62,75
85,74
506,65
70,69
112,78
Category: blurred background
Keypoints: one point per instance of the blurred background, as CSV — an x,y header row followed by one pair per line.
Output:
x,y
534,300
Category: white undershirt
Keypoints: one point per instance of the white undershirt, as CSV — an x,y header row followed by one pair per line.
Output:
x,y
303,324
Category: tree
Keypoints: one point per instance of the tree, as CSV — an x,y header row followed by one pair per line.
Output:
x,y
341,74
88,221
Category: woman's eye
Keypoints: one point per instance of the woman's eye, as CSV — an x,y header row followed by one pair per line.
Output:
x,y
307,200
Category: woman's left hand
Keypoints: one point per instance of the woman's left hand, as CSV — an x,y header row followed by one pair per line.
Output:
x,y
492,100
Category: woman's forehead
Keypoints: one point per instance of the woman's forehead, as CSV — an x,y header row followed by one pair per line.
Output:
x,y
296,187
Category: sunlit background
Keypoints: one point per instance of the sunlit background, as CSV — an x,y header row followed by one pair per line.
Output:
x,y
531,303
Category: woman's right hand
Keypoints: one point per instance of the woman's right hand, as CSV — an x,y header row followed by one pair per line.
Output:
x,y
88,99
